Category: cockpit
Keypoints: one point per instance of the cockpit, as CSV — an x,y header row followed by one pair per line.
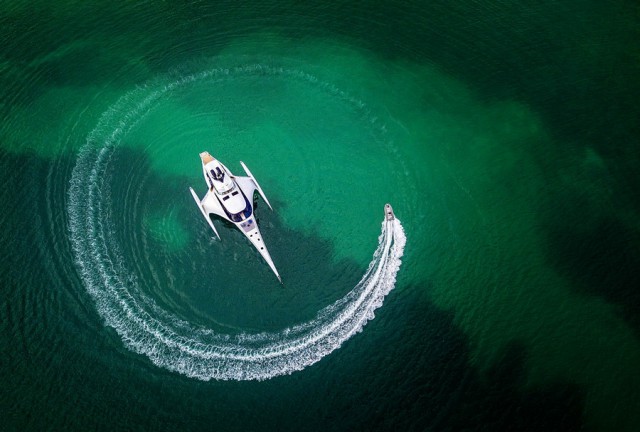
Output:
x,y
218,179
217,174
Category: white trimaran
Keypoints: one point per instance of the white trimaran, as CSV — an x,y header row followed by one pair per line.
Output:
x,y
231,198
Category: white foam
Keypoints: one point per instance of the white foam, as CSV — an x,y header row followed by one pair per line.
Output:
x,y
165,339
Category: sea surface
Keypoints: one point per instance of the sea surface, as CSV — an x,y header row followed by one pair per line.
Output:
x,y
504,297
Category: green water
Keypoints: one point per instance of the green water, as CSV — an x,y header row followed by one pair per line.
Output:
x,y
504,135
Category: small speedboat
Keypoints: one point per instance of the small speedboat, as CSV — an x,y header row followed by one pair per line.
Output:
x,y
388,212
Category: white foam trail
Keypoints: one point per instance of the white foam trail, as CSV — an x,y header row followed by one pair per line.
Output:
x,y
176,344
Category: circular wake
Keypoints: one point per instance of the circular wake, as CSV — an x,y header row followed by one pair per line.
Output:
x,y
163,337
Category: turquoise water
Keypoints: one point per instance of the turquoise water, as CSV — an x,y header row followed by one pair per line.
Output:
x,y
504,135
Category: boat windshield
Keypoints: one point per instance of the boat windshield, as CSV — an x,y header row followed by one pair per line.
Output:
x,y
224,186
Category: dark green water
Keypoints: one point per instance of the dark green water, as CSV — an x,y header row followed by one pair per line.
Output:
x,y
505,136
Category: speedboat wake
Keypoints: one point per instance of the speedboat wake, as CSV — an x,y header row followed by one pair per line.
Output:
x,y
171,342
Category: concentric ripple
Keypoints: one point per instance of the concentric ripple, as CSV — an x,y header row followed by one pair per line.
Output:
x,y
166,339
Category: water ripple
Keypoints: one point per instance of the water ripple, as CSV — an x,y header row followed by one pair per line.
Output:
x,y
167,340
